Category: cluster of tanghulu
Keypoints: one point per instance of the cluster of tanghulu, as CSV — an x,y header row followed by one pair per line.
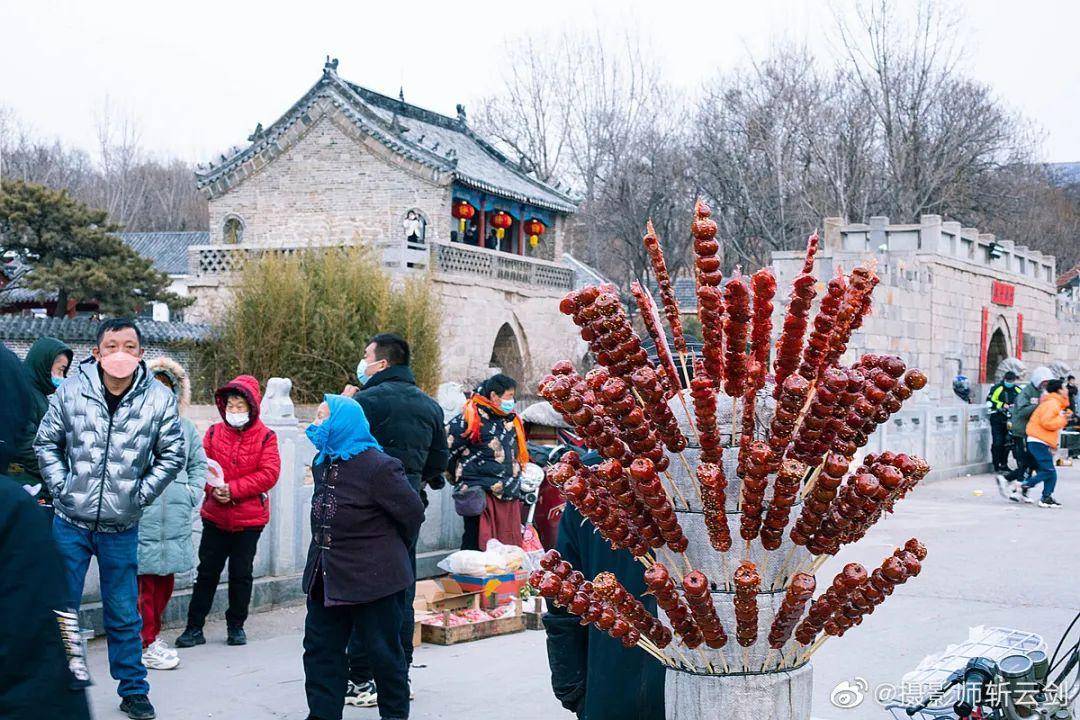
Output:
x,y
795,443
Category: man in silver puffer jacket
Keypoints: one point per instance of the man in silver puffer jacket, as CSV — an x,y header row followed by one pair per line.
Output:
x,y
109,444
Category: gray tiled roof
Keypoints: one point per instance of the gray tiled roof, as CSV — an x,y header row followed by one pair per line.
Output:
x,y
166,249
13,292
81,329
685,293
440,142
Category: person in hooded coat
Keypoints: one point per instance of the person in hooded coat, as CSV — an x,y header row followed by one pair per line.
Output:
x,y
165,546
365,515
44,673
592,674
46,365
235,514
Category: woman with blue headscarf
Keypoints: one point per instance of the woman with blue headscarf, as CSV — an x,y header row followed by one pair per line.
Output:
x,y
364,517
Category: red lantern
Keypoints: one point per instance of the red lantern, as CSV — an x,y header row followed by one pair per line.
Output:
x,y
534,229
464,212
501,221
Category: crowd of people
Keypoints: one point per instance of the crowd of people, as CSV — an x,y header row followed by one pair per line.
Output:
x,y
98,460
1027,422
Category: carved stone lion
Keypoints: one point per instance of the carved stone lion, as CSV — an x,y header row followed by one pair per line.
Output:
x,y
277,402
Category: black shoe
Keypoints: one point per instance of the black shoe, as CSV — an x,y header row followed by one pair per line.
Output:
x,y
1049,502
137,707
190,638
235,636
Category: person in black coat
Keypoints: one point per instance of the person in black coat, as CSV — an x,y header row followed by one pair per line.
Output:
x,y
364,517
44,672
592,675
409,426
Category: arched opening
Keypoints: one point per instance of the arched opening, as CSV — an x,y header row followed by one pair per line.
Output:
x,y
997,351
232,230
506,354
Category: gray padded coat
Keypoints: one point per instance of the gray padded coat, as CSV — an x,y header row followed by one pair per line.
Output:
x,y
103,470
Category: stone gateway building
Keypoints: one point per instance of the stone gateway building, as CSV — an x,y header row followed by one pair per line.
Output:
x,y
346,165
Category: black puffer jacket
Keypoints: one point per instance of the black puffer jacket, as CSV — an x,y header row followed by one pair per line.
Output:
x,y
407,423
493,459
591,673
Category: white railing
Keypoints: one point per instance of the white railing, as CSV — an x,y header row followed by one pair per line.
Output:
x,y
458,259
443,258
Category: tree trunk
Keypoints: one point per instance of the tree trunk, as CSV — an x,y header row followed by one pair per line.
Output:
x,y
60,309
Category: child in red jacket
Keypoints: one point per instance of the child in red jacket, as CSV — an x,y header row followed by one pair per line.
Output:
x,y
235,514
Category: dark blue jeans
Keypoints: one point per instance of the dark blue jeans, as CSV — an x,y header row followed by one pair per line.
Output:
x,y
118,567
1045,472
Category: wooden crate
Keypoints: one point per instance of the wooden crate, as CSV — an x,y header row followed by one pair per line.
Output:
x,y
534,617
474,631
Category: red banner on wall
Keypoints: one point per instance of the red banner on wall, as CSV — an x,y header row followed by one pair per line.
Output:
x,y
1002,293
983,344
1019,336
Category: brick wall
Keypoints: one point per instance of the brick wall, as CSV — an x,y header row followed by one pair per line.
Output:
x,y
82,350
331,185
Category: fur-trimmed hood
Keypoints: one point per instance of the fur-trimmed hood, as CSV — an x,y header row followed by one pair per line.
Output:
x,y
175,372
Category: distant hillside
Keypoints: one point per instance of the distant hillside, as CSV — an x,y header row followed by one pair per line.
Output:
x,y
1065,173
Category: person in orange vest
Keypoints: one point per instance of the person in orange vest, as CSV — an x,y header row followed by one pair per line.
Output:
x,y
1043,437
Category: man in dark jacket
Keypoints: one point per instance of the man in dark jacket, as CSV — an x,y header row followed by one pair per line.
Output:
x,y
592,674
44,673
999,402
46,365
409,426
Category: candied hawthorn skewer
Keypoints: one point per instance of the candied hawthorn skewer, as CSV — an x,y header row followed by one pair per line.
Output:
x,y
696,590
851,577
651,319
785,491
812,244
747,583
660,584
817,344
608,588
790,402
763,283
705,410
798,595
855,305
710,296
790,345
713,485
816,431
667,290
736,332
754,482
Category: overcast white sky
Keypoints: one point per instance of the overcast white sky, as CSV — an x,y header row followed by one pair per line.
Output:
x,y
198,75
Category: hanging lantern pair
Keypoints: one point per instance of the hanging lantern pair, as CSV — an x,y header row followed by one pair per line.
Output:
x,y
464,212
534,229
501,221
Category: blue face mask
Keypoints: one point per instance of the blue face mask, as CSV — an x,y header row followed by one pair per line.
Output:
x,y
507,406
317,435
56,381
361,372
1010,385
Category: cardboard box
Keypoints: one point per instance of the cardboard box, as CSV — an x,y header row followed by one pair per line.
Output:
x,y
436,596
494,589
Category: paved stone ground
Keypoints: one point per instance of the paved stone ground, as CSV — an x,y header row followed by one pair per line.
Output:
x,y
991,562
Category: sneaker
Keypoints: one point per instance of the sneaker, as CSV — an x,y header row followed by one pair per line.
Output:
x,y
412,695
157,657
137,707
1003,486
1024,490
164,647
362,695
235,636
1049,502
190,638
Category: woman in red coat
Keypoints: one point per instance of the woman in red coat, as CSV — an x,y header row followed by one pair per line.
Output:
x,y
235,514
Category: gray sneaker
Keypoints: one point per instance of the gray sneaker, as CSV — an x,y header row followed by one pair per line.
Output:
x,y
1003,486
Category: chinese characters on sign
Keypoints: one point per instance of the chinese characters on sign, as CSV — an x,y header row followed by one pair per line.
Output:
x,y
1002,293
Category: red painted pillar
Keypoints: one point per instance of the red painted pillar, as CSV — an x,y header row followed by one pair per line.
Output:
x,y
1019,336
983,345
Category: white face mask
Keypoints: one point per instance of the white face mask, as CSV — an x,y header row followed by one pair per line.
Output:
x,y
237,420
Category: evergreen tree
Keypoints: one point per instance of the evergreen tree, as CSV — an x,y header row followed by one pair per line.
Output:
x,y
73,250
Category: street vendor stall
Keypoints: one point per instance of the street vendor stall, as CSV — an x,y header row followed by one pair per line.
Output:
x,y
697,449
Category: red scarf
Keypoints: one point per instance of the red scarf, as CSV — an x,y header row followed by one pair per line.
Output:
x,y
472,424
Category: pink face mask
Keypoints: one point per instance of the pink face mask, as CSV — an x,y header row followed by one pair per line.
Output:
x,y
119,364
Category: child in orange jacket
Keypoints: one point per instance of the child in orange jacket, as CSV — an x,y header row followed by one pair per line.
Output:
x,y
1043,437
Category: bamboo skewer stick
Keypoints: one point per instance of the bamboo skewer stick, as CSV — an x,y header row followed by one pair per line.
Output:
x,y
783,566
675,487
686,562
814,648
811,481
745,659
672,565
766,660
727,571
662,658
690,473
705,660
682,658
